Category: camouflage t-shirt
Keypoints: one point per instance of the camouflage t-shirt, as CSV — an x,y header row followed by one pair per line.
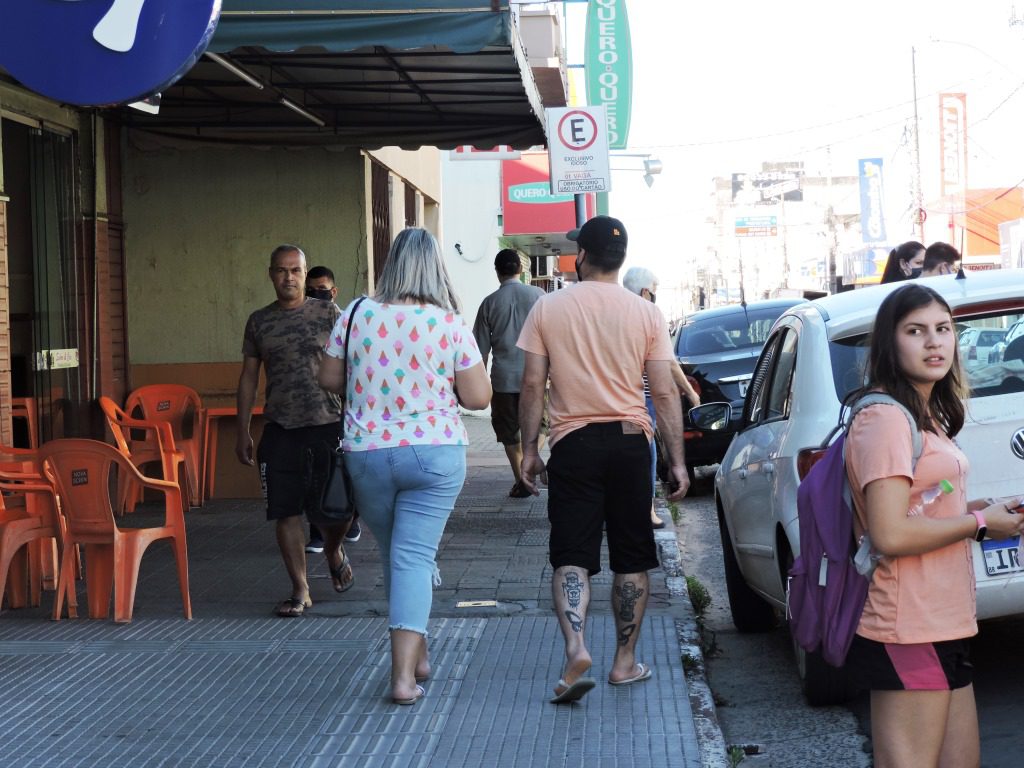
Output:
x,y
290,344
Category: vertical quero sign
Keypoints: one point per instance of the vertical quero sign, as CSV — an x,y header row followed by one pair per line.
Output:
x,y
872,216
953,150
609,66
103,52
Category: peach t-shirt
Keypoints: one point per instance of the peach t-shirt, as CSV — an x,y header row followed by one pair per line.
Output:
x,y
913,598
596,337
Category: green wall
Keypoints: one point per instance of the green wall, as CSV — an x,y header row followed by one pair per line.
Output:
x,y
200,224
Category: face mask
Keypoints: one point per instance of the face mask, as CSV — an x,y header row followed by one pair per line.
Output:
x,y
579,277
652,297
916,273
324,294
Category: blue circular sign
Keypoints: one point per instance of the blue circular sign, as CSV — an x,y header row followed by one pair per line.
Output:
x,y
103,52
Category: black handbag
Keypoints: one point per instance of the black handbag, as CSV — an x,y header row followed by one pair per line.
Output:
x,y
335,503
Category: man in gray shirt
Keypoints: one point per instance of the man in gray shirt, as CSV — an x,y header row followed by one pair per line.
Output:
x,y
498,323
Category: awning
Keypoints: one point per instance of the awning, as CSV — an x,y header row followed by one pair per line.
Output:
x,y
376,73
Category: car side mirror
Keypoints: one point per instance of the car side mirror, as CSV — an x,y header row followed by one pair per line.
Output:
x,y
712,417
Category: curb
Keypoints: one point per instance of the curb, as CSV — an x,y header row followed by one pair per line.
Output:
x,y
710,739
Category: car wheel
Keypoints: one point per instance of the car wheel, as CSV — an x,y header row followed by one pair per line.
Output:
x,y
750,613
823,685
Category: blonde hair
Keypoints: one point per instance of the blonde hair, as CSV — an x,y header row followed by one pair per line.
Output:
x,y
415,270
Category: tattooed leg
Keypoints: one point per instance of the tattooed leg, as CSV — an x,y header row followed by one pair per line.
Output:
x,y
570,590
629,601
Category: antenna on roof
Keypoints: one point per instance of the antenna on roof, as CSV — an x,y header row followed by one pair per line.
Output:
x,y
960,273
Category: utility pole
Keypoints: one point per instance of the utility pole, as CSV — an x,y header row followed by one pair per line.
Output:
x,y
918,200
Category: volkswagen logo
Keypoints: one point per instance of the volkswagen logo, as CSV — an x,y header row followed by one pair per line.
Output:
x,y
1017,443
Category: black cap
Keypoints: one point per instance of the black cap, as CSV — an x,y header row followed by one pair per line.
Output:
x,y
602,234
507,262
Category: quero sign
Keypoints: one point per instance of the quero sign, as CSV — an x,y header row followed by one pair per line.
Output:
x,y
537,192
609,66
103,52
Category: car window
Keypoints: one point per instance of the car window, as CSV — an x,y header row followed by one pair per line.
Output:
x,y
742,329
777,406
995,369
757,393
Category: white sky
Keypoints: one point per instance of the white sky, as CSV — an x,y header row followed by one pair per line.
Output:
x,y
719,87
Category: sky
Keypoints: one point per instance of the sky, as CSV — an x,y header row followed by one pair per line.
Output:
x,y
718,88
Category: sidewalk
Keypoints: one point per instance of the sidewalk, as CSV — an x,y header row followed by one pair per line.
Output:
x,y
239,687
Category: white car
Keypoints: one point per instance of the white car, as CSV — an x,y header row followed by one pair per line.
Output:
x,y
813,358
981,346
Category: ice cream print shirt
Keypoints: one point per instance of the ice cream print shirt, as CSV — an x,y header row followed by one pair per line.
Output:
x,y
401,365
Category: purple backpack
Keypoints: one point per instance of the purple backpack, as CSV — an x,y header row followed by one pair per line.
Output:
x,y
825,594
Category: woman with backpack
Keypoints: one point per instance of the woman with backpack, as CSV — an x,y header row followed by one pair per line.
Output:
x,y
911,648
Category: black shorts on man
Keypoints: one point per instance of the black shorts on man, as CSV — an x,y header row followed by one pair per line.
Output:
x,y
599,476
285,467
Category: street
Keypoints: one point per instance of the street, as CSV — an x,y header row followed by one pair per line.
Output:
x,y
757,692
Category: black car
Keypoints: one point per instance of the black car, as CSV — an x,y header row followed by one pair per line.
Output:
x,y
717,349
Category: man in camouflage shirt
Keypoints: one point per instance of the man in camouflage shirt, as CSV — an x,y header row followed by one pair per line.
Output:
x,y
287,337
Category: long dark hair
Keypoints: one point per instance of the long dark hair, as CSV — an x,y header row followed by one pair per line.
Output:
x,y
945,404
893,271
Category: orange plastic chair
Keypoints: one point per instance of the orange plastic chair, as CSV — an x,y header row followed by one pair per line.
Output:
x,y
25,408
81,471
176,405
160,449
30,525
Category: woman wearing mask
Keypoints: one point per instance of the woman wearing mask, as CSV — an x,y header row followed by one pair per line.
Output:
x,y
911,647
903,261
411,360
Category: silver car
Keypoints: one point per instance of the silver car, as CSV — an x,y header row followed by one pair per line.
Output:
x,y
813,358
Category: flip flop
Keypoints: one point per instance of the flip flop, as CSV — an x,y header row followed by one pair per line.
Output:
x,y
337,574
643,674
420,693
293,607
574,692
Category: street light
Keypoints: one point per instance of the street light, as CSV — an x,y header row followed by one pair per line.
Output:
x,y
652,165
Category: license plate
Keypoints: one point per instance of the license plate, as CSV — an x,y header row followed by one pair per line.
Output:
x,y
743,388
1001,556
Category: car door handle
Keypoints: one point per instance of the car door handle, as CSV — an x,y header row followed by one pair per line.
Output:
x,y
767,467
743,473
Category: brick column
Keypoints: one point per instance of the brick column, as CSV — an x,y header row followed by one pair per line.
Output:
x,y
6,434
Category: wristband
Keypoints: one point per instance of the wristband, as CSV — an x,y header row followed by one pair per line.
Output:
x,y
982,527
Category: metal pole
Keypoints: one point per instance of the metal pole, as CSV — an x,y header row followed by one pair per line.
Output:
x,y
580,200
918,202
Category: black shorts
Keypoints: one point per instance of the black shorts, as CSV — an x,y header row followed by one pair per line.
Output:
x,y
600,476
284,462
505,417
941,666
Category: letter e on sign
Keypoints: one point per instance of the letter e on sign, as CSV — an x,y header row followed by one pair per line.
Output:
x,y
577,130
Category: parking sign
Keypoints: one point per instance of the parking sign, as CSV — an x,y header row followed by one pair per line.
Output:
x,y
578,150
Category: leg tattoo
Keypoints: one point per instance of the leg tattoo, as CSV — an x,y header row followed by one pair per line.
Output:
x,y
628,595
573,588
575,620
626,633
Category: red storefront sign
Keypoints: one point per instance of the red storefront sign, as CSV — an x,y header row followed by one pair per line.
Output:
x,y
528,207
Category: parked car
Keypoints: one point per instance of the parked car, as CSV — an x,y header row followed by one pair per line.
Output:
x,y
979,346
1013,333
813,358
717,349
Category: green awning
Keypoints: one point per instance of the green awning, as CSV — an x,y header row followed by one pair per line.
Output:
x,y
366,73
461,26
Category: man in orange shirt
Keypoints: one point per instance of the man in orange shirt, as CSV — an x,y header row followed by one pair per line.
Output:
x,y
595,340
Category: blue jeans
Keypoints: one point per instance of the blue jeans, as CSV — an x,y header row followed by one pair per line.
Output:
x,y
654,447
405,495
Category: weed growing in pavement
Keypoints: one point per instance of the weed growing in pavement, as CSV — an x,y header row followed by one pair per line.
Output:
x,y
673,510
690,663
699,595
736,755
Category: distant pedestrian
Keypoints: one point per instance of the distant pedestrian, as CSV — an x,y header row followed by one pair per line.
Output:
x,y
595,341
287,338
903,261
411,361
498,324
644,284
940,259
320,285
911,649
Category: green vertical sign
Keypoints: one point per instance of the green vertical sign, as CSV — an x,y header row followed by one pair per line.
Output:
x,y
609,66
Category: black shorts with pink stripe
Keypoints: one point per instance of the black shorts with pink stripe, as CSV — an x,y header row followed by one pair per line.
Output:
x,y
941,666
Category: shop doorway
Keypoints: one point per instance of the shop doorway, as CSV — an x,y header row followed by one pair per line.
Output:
x,y
46,288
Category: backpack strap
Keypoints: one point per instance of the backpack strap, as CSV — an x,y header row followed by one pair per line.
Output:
x,y
880,398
